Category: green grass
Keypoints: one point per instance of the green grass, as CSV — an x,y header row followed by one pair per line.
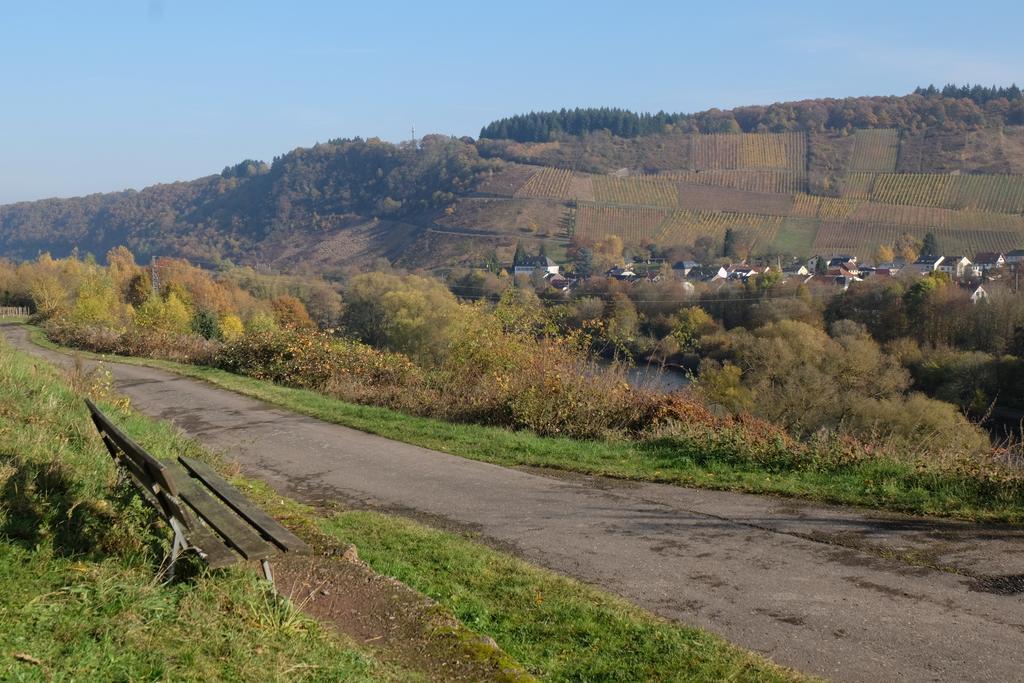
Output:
x,y
796,236
79,594
82,601
559,628
879,484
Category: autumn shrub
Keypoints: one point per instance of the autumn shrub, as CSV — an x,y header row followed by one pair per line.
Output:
x,y
310,359
183,348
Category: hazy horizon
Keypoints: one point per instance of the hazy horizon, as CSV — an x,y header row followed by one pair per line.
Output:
x,y
121,95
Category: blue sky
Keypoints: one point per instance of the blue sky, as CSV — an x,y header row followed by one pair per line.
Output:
x,y
101,96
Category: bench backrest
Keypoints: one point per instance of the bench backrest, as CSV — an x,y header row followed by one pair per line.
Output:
x,y
149,473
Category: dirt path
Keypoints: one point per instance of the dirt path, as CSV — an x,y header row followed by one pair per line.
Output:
x,y
830,591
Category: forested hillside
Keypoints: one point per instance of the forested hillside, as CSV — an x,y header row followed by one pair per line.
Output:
x,y
246,211
793,179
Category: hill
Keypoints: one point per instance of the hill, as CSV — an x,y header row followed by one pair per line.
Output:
x,y
816,176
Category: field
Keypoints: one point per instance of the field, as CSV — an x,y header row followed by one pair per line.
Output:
x,y
547,183
648,191
769,181
711,198
750,151
633,225
796,236
875,150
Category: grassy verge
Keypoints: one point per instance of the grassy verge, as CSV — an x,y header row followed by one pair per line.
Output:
x,y
97,614
879,484
559,628
78,595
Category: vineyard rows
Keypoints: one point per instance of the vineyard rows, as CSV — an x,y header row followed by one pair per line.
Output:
x,y
875,150
750,151
940,218
995,193
547,183
633,225
811,206
862,238
642,190
684,227
648,224
780,182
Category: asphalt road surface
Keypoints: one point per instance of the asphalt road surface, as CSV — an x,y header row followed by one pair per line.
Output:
x,y
826,590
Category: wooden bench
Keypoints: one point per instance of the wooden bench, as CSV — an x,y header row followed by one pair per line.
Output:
x,y
208,515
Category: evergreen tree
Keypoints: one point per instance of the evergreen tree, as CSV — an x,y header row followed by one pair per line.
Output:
x,y
729,243
930,246
521,256
584,262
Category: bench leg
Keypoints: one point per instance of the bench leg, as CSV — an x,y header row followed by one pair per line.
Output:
x,y
265,564
179,545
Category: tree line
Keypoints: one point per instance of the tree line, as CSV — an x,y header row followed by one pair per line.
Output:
x,y
952,107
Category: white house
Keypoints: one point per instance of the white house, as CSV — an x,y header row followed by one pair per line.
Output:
x,y
990,260
1015,256
530,265
979,294
955,266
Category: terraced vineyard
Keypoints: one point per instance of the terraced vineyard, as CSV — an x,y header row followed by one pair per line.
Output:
x,y
711,198
811,206
935,217
875,150
750,151
547,183
684,227
636,190
758,183
995,193
633,225
862,237
772,181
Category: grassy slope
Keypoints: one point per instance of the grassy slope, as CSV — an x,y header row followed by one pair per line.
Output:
x,y
880,484
557,627
78,597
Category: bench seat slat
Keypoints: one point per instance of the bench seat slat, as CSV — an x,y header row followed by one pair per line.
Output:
x,y
221,519
216,553
267,525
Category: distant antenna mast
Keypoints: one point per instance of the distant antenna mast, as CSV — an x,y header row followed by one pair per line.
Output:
x,y
414,133
154,279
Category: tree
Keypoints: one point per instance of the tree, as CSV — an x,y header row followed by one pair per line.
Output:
x,y
908,247
584,262
521,257
884,254
729,243
138,289
205,324
930,246
231,327
289,313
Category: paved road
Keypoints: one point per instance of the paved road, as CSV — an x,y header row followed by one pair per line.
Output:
x,y
809,586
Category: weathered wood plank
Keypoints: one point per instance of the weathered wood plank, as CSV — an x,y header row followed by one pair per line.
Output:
x,y
156,469
233,529
215,553
267,525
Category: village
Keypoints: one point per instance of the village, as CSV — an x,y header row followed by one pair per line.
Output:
x,y
986,269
